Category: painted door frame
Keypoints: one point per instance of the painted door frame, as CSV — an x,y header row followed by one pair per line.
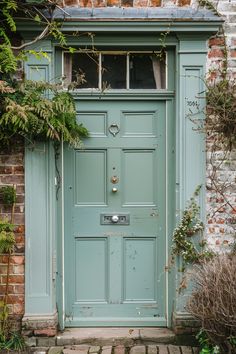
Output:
x,y
189,42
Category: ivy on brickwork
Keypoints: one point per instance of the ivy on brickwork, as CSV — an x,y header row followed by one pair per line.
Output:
x,y
25,110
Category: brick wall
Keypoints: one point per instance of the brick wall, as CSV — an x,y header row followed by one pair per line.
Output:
x,y
12,173
221,211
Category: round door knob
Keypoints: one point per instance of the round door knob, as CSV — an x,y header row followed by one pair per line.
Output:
x,y
114,190
115,219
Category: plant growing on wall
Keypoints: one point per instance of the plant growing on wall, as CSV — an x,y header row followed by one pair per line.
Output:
x,y
8,340
190,225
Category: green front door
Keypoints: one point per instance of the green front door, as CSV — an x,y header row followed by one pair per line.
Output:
x,y
115,242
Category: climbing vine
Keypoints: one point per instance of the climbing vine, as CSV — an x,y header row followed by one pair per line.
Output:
x,y
8,339
189,226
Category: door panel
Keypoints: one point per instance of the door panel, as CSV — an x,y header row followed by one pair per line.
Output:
x,y
114,271
139,170
90,177
85,250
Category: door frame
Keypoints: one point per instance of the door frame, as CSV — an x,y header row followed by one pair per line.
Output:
x,y
178,189
186,33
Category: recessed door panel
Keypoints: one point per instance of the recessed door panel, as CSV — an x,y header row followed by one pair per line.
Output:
x,y
115,243
139,124
90,177
91,255
95,122
140,269
139,170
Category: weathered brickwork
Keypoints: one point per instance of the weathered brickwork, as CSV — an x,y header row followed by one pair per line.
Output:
x,y
12,174
227,10
221,200
221,208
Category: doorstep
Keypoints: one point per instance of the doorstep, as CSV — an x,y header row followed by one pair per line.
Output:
x,y
115,336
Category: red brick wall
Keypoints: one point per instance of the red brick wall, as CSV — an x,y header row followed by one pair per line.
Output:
x,y
12,173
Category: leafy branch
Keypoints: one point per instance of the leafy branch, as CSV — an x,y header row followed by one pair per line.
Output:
x,y
29,112
189,226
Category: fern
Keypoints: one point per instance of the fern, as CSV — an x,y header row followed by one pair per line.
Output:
x,y
28,112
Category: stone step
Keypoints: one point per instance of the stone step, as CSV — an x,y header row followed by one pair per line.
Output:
x,y
115,336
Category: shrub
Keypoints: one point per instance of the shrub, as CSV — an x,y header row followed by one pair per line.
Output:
x,y
213,300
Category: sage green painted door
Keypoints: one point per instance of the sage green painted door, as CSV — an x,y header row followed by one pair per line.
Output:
x,y
115,248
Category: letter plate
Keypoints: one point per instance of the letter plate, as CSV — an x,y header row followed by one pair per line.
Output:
x,y
114,219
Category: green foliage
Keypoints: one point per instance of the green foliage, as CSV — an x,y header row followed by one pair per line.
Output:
x,y
7,195
7,242
30,112
34,110
7,237
8,61
189,226
206,346
12,341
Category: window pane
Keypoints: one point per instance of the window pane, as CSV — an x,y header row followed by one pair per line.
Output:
x,y
114,71
81,69
147,71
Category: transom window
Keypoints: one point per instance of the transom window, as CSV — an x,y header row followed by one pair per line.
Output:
x,y
115,70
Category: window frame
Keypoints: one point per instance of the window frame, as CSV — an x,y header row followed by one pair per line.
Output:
x,y
100,87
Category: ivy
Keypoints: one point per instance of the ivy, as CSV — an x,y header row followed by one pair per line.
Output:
x,y
189,226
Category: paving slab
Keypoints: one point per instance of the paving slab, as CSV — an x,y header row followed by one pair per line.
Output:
x,y
38,350
156,335
186,350
152,349
106,349
119,349
94,349
162,349
173,349
138,349
55,350
70,351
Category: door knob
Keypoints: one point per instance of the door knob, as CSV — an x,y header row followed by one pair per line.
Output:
x,y
115,219
114,190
